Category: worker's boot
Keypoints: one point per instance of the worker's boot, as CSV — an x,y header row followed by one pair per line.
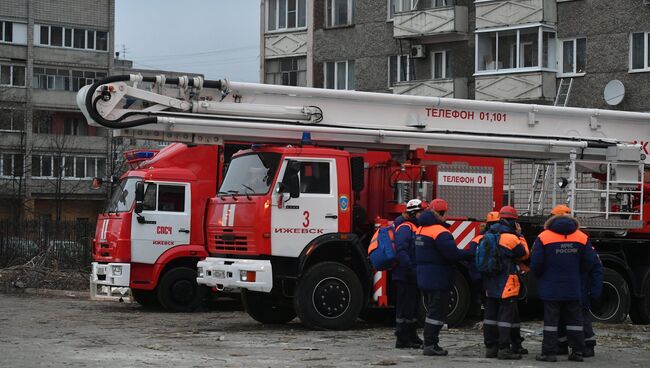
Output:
x,y
518,349
403,341
507,354
546,358
491,352
576,357
413,336
563,348
434,350
589,352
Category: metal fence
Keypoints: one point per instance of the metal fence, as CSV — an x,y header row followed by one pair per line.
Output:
x,y
62,245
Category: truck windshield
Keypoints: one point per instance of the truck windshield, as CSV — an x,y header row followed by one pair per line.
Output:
x,y
123,196
250,174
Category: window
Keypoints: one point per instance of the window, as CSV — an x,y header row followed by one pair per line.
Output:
x,y
13,32
573,56
286,71
400,69
11,165
315,177
74,126
64,79
395,6
639,54
171,198
440,65
12,75
12,119
512,49
42,122
286,14
44,166
71,37
339,13
150,197
339,74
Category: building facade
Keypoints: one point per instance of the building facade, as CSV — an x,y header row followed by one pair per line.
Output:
x,y
531,51
48,153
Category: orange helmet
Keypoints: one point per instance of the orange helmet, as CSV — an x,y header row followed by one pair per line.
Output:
x,y
492,216
508,212
560,209
439,205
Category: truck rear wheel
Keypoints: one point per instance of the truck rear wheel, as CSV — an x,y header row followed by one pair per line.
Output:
x,y
615,302
264,309
329,296
179,292
460,299
146,298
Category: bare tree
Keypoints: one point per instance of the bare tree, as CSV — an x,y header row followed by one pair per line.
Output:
x,y
16,163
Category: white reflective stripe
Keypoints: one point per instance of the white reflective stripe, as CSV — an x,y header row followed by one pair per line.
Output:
x,y
551,328
468,238
489,322
102,235
504,324
231,215
562,339
434,322
224,215
516,325
574,328
459,230
377,294
414,320
592,338
377,277
400,320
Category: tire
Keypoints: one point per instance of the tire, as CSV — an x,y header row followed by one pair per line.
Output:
x,y
329,296
264,309
640,308
179,292
460,302
616,299
146,298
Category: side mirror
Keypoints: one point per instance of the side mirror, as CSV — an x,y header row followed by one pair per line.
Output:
x,y
139,197
138,207
291,182
294,187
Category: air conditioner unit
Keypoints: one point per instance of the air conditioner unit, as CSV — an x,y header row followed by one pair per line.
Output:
x,y
417,52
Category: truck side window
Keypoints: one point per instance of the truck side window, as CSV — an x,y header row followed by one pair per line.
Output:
x,y
149,201
315,177
171,198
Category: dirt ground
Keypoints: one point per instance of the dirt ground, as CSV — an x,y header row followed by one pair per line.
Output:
x,y
60,331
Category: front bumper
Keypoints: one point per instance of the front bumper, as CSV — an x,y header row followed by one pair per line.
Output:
x,y
226,273
107,283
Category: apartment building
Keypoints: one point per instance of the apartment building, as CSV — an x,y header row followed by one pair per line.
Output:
x,y
48,153
499,50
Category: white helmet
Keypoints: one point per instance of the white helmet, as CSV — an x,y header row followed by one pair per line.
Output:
x,y
413,206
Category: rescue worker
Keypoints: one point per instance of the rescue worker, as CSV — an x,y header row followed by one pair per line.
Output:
x,y
522,271
403,276
436,254
560,254
475,276
592,287
502,290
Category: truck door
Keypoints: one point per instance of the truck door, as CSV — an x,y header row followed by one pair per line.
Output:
x,y
164,222
299,220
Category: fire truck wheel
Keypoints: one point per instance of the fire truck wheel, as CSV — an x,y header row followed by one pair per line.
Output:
x,y
329,296
179,292
640,308
460,300
146,298
264,309
615,302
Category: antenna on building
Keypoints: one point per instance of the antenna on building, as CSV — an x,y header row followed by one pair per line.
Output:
x,y
124,49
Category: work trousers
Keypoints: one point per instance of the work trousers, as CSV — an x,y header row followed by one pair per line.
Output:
x,y
437,309
501,323
406,306
587,328
570,312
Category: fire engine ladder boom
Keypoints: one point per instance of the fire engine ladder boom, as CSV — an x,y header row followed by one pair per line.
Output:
x,y
202,111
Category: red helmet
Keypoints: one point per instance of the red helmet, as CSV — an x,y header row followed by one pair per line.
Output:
x,y
508,212
439,205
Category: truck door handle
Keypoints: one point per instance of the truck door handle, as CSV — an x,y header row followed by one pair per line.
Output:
x,y
331,216
183,231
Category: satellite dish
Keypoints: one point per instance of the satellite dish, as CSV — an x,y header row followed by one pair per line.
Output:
x,y
614,92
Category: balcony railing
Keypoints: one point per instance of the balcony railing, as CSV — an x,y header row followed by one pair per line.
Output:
x,y
531,86
514,12
430,22
449,88
285,44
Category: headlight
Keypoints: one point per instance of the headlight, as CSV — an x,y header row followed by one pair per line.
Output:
x,y
247,276
199,271
116,270
220,274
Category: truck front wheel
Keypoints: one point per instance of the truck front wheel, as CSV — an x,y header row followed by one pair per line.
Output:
x,y
264,309
329,296
146,298
179,292
615,301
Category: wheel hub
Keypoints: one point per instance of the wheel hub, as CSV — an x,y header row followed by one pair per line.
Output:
x,y
182,291
331,297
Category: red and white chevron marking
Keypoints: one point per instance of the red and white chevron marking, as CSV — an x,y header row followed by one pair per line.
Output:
x,y
463,232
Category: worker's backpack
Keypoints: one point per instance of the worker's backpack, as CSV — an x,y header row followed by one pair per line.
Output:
x,y
382,250
488,258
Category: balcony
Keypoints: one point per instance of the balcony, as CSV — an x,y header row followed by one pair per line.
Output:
x,y
432,25
63,100
449,88
71,143
514,12
285,44
531,86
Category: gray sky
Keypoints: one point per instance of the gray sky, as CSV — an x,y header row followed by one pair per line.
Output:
x,y
218,38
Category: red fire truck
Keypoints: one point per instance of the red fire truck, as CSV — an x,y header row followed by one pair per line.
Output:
x,y
290,223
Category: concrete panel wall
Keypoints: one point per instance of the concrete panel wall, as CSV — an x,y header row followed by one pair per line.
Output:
x,y
96,14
